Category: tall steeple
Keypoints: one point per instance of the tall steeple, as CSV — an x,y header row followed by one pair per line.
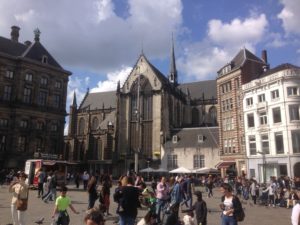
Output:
x,y
173,71
74,100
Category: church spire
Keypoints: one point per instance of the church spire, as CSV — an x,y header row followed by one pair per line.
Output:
x,y
173,71
74,99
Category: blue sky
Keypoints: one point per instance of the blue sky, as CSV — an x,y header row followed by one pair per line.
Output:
x,y
100,40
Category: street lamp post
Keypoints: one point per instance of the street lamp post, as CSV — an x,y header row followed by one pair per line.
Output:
x,y
264,165
138,128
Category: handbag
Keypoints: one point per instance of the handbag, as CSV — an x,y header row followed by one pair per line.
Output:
x,y
22,203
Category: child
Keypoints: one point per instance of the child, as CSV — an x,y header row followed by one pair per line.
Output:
x,y
200,209
61,204
188,218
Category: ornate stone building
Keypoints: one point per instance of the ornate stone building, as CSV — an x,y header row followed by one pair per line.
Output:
x,y
129,129
33,88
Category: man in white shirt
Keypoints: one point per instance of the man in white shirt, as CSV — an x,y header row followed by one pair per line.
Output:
x,y
296,211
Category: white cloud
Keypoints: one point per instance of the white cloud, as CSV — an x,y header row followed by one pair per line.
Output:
x,y
26,16
290,16
202,60
238,32
111,82
89,34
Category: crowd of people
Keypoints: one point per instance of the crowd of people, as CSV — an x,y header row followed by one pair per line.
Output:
x,y
163,198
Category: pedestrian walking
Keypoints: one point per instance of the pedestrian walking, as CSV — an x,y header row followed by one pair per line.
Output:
x,y
20,192
295,217
92,192
231,206
200,209
61,205
41,175
85,178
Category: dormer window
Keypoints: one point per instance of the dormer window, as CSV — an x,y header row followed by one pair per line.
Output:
x,y
28,77
44,59
200,138
175,139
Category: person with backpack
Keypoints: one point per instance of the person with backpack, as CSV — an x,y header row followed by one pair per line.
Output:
x,y
231,207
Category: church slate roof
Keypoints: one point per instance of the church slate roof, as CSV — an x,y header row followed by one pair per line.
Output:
x,y
99,99
188,137
35,51
196,89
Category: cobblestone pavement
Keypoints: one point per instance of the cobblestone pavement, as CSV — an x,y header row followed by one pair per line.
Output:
x,y
255,215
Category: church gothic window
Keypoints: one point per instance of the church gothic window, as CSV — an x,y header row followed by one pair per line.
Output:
x,y
213,115
81,126
195,117
95,123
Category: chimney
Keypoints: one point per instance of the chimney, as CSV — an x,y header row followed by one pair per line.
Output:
x,y
27,43
264,56
15,33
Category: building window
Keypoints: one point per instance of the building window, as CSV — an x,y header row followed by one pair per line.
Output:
x,y
263,119
24,124
3,123
252,145
199,161
172,162
292,91
7,93
250,119
296,141
261,98
27,95
95,123
175,139
279,143
275,94
265,143
249,101
294,112
2,143
42,100
40,125
56,101
276,115
57,84
28,77
44,59
54,127
44,81
81,126
22,144
9,74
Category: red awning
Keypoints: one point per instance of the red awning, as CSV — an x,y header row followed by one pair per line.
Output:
x,y
224,165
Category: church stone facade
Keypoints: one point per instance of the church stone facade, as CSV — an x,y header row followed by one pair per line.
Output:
x,y
145,122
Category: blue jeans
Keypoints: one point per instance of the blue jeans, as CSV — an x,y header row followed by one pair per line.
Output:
x,y
228,220
159,205
126,220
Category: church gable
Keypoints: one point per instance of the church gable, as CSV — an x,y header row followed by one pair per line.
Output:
x,y
146,71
